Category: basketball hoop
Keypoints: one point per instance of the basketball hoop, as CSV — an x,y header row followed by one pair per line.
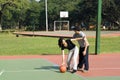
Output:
x,y
63,14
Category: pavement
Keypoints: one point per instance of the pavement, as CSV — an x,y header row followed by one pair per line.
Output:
x,y
66,34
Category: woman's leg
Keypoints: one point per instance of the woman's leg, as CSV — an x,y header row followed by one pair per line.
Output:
x,y
69,58
75,58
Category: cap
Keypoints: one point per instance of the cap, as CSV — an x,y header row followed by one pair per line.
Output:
x,y
76,28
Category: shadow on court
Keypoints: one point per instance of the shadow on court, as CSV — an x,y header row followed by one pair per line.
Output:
x,y
49,68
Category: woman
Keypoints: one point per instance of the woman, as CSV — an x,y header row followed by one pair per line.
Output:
x,y
73,52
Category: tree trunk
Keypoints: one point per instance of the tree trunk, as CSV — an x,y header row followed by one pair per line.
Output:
x,y
0,20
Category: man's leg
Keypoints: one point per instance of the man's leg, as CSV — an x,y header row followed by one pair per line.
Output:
x,y
81,58
86,60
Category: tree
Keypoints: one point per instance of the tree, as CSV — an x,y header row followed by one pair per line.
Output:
x,y
3,5
14,7
86,11
29,12
111,11
22,7
32,15
55,6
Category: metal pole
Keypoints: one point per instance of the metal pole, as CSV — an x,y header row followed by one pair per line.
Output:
x,y
46,15
97,45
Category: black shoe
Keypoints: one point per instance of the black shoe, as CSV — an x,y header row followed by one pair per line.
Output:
x,y
80,69
68,69
74,71
85,71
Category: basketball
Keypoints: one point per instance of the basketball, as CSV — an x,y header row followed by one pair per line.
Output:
x,y
62,69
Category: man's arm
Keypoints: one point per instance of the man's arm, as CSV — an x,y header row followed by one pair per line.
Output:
x,y
77,39
86,45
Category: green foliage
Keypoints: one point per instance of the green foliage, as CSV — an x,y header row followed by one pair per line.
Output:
x,y
20,13
12,12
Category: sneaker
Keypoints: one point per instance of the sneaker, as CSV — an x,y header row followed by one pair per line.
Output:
x,y
80,69
68,69
85,71
74,71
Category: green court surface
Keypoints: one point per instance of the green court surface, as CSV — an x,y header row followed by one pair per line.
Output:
x,y
33,69
39,69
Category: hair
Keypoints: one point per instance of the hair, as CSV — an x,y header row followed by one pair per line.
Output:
x,y
76,28
60,41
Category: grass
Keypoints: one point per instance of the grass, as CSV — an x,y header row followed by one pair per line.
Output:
x,y
107,45
11,45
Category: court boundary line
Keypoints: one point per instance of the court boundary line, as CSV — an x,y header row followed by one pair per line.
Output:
x,y
13,71
84,78
105,69
2,72
17,71
21,71
54,70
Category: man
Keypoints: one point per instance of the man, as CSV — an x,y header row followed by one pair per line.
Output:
x,y
83,50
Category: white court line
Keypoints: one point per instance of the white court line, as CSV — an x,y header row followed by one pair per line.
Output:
x,y
19,71
84,78
1,72
27,70
105,69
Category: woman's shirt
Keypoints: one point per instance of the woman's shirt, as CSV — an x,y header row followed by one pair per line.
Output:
x,y
70,45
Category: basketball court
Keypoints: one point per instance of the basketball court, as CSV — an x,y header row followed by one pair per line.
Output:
x,y
46,67
32,69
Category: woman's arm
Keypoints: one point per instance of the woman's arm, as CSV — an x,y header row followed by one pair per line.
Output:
x,y
63,57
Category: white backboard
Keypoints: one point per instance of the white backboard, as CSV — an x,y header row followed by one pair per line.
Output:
x,y
63,14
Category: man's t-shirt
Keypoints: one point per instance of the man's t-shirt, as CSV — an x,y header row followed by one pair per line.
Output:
x,y
80,35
